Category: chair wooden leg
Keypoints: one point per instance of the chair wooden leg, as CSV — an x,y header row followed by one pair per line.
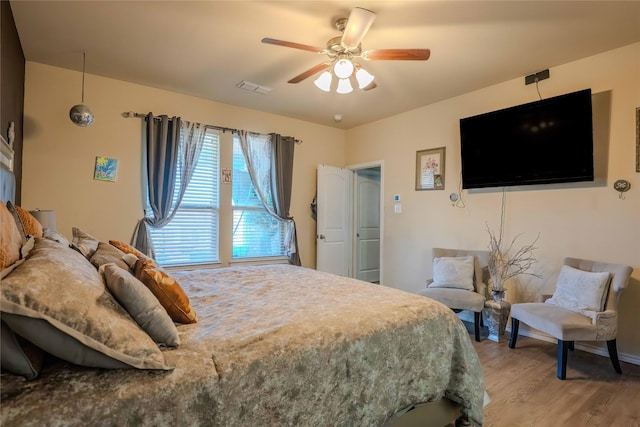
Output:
x,y
613,354
476,324
515,323
563,347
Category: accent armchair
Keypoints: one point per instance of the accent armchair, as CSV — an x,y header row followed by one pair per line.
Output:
x,y
584,307
466,293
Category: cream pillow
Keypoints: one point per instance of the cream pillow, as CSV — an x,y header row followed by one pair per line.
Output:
x,y
453,272
581,291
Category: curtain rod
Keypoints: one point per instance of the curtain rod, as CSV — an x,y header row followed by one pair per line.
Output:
x,y
131,114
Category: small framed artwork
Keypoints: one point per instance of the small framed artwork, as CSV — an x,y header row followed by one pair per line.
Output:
x,y
430,169
226,175
106,169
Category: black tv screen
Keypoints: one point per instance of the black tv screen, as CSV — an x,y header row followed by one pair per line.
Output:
x,y
542,142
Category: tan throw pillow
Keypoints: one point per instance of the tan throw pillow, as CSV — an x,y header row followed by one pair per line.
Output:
x,y
127,248
166,290
27,223
10,239
106,254
141,304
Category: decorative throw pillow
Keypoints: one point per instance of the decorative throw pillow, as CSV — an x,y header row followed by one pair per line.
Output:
x,y
141,304
166,290
10,238
55,236
107,253
57,300
27,224
581,291
84,242
453,272
127,248
24,251
18,355
131,260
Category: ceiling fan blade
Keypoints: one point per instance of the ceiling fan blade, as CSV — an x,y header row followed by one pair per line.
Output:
x,y
293,45
397,54
358,24
310,72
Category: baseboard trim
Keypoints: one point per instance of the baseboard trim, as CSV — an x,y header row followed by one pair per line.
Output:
x,y
467,316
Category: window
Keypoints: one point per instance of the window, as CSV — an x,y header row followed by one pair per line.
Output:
x,y
255,232
192,236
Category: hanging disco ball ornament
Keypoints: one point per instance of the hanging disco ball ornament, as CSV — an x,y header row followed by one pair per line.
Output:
x,y
80,114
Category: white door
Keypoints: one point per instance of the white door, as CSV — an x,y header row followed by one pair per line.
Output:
x,y
333,236
367,225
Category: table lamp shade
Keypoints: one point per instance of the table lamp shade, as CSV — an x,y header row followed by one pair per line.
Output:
x,y
47,218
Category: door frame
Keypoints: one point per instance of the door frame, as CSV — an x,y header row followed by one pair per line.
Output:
x,y
354,169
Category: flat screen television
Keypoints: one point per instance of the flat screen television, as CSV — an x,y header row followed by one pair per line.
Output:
x,y
542,142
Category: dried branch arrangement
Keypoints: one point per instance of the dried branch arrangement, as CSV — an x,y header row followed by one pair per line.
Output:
x,y
505,263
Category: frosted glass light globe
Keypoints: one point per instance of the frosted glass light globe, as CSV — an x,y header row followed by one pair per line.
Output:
x,y
343,68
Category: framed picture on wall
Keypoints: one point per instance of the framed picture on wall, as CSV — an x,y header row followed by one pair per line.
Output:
x,y
106,169
430,169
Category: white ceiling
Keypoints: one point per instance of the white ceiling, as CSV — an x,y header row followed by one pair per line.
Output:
x,y
205,48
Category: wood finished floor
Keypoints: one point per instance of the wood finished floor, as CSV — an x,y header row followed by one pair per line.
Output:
x,y
524,390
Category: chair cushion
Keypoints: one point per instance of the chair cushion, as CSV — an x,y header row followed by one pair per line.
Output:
x,y
453,272
556,321
458,299
581,291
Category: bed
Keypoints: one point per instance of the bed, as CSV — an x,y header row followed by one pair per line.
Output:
x,y
273,345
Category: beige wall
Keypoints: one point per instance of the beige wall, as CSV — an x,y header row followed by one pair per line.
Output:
x,y
592,222
59,157
587,222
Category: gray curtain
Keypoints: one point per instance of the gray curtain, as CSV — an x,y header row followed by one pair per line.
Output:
x,y
167,160
281,185
270,167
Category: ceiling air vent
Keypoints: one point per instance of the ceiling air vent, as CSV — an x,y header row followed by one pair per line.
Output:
x,y
252,87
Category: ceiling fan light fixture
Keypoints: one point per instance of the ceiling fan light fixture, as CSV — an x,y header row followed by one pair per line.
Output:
x,y
344,86
364,78
324,81
343,68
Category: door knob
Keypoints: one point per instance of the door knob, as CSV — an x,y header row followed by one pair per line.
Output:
x,y
321,236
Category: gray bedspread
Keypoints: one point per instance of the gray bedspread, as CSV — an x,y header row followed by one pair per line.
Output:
x,y
274,346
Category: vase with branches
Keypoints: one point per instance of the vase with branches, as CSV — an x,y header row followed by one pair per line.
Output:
x,y
506,262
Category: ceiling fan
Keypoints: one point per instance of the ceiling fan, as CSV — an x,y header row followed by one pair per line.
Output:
x,y
343,49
